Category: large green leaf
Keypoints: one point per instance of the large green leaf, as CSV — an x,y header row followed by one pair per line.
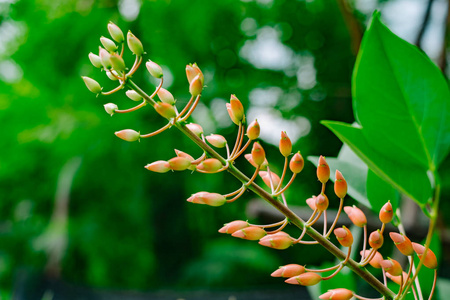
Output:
x,y
401,99
379,192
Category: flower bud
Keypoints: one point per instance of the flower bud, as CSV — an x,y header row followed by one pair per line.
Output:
x,y
237,109
196,86
258,154
195,128
375,261
154,69
252,233
108,44
210,165
430,260
133,95
166,96
279,240
216,140
297,163
285,145
340,185
344,236
232,117
110,108
337,294
211,199
105,58
288,271
312,202
192,70
234,226
112,74
159,166
376,239
115,32
322,202
95,60
197,198
356,215
165,109
92,85
265,175
117,62
391,266
305,279
184,154
402,243
386,213
179,163
135,44
398,279
253,130
249,158
128,135
323,170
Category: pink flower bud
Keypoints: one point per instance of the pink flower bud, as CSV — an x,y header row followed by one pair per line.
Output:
x,y
322,202
115,32
398,279
166,96
266,178
340,185
386,213
305,279
234,226
253,130
128,135
154,69
376,260
312,202
195,128
117,62
337,294
323,170
108,44
430,258
192,70
402,243
258,154
135,44
179,163
344,236
159,166
252,233
376,239
165,109
184,154
211,199
110,108
249,158
288,271
210,165
95,60
356,215
133,95
297,163
237,109
216,140
196,86
391,266
104,58
279,240
92,85
285,145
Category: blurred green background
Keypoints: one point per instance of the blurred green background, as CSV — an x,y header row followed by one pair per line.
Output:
x,y
76,203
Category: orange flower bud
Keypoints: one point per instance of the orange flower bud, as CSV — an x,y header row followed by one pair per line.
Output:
x,y
108,44
166,96
92,85
216,140
196,86
195,128
179,163
297,163
311,202
192,70
128,135
252,233
258,154
95,60
391,266
104,58
289,271
210,165
344,236
230,112
340,185
402,243
375,261
154,69
134,44
356,215
115,32
184,154
253,130
117,62
386,213
323,170
159,166
197,198
250,160
337,294
165,109
285,145
376,239
322,202
266,178
237,109
234,226
430,258
211,199
279,240
398,279
133,95
305,279
110,108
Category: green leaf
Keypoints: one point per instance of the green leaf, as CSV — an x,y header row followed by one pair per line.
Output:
x,y
379,192
410,180
401,99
